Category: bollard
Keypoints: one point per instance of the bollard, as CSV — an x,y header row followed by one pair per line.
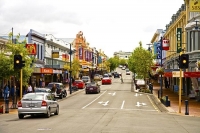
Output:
x,y
7,106
158,93
186,107
166,102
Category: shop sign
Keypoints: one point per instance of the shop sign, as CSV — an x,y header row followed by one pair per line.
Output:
x,y
167,74
57,71
158,50
31,48
194,5
179,39
177,74
165,44
46,70
36,70
191,74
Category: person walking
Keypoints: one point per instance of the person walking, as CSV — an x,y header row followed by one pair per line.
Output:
x,y
30,89
6,92
122,79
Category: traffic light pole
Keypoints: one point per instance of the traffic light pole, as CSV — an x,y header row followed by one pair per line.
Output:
x,y
180,87
21,83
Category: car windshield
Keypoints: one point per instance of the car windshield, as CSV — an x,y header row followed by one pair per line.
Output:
x,y
42,90
84,77
91,84
77,81
127,70
33,96
105,75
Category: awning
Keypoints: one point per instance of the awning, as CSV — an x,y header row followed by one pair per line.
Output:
x,y
39,65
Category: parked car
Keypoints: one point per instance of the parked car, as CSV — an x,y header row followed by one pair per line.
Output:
x,y
79,84
106,80
86,79
92,88
61,90
47,90
123,68
116,75
105,75
37,103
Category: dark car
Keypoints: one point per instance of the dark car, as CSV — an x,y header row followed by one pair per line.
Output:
x,y
116,75
92,88
61,91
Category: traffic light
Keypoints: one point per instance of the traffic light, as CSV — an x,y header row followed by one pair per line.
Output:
x,y
17,61
184,61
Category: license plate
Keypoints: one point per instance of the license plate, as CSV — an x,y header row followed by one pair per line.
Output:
x,y
91,88
32,105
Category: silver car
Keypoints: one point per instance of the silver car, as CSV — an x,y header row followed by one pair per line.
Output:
x,y
37,103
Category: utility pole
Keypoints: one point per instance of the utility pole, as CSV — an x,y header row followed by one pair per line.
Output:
x,y
70,71
161,79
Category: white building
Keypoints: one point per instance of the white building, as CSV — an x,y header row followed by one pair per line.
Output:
x,y
122,54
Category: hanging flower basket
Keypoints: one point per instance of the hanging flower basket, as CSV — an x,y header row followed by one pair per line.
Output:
x,y
198,64
160,70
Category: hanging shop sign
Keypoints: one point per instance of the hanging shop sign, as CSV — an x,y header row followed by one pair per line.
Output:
x,y
165,44
194,5
31,48
179,39
158,50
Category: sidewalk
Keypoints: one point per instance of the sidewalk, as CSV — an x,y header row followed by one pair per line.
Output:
x,y
194,106
14,111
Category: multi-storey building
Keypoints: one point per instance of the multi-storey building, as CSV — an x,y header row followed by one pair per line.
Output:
x,y
122,54
183,33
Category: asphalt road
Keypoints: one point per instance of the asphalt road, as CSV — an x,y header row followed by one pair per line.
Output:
x,y
115,110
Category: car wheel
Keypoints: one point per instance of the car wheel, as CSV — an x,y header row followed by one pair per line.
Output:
x,y
48,114
57,111
61,96
86,92
20,116
65,94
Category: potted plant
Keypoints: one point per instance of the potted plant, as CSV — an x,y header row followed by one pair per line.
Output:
x,y
160,70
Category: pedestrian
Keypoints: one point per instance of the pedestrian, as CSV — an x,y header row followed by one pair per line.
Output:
x,y
30,89
151,87
54,89
6,92
12,91
122,79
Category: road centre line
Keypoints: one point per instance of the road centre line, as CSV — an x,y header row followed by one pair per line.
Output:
x,y
94,100
122,105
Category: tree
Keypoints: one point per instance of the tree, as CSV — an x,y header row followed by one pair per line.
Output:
x,y
113,63
7,61
123,62
140,61
75,67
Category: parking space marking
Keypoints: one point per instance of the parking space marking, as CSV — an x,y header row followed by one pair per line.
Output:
x,y
94,100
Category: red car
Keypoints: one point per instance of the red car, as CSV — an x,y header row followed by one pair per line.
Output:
x,y
106,80
79,84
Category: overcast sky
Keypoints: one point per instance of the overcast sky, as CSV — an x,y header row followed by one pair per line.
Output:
x,y
110,25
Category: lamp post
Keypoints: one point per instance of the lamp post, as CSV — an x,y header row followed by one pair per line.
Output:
x,y
161,80
70,71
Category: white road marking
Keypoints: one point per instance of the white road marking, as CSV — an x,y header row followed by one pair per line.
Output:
x,y
94,100
104,103
150,110
122,105
136,94
140,104
112,93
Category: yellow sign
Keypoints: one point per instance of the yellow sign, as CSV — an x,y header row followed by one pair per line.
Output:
x,y
177,74
194,5
55,54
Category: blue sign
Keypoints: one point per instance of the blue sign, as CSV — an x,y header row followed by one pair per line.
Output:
x,y
99,60
158,50
176,88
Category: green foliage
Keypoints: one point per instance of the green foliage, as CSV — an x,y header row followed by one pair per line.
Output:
x,y
140,61
75,67
7,61
113,63
122,61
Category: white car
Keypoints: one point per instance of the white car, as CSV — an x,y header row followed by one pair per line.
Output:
x,y
128,73
123,68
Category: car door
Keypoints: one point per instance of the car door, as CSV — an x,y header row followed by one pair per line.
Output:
x,y
51,102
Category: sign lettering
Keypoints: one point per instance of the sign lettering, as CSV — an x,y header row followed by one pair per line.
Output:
x,y
194,5
179,39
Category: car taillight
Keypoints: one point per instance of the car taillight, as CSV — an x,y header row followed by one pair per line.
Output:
x,y
19,104
44,103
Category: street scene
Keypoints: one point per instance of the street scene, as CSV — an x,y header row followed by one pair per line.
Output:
x,y
115,109
99,66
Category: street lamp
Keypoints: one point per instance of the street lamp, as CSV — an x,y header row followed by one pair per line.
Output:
x,y
70,67
161,80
